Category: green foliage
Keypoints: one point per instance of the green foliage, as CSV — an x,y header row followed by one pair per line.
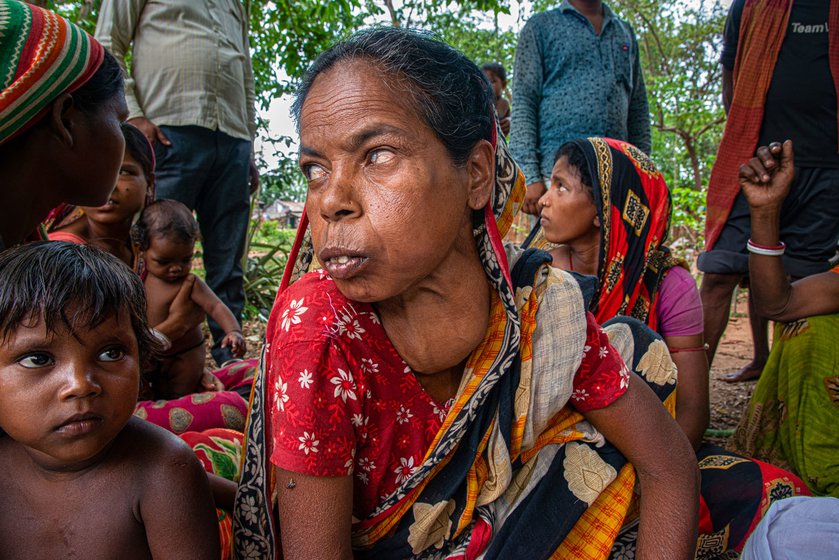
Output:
x,y
268,248
679,41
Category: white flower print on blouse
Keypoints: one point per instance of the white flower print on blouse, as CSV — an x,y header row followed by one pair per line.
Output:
x,y
305,379
363,477
405,469
366,464
403,415
280,395
357,420
346,323
308,443
579,395
291,315
624,376
344,385
369,366
603,352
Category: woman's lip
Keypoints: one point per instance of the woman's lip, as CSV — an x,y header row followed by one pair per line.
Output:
x,y
80,424
543,220
348,266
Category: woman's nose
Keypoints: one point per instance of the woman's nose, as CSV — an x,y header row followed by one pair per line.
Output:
x,y
337,198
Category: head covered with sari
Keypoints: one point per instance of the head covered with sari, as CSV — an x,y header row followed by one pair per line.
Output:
x,y
42,55
633,206
470,493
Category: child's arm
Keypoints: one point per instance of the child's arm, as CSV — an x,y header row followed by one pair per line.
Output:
x,y
215,308
224,491
177,507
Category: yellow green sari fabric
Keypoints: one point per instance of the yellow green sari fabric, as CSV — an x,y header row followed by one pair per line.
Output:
x,y
793,417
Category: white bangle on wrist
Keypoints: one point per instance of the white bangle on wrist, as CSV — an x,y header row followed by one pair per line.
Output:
x,y
766,251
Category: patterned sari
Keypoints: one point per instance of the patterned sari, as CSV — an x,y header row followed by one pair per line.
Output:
x,y
793,415
514,471
633,204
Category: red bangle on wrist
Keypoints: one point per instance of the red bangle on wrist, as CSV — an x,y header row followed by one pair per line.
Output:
x,y
778,247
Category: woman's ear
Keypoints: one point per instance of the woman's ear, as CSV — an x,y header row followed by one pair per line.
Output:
x,y
61,117
481,171
597,221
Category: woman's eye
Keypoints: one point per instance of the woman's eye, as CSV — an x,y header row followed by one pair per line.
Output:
x,y
562,188
313,172
38,360
112,355
380,156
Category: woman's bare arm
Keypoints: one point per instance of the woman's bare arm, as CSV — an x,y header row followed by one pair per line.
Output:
x,y
765,181
640,427
315,516
693,408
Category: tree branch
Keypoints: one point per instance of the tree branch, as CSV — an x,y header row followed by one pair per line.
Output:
x,y
394,18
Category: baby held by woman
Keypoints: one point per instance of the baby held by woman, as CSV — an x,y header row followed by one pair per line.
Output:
x,y
166,233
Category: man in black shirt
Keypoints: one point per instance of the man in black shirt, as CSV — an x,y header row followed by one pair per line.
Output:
x,y
801,105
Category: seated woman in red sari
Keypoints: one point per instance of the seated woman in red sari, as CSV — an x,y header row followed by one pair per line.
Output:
x,y
607,214
423,392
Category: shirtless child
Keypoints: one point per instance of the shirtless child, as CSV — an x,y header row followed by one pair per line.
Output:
x,y
166,233
80,477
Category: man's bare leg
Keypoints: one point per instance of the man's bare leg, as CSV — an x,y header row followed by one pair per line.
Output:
x,y
760,341
715,291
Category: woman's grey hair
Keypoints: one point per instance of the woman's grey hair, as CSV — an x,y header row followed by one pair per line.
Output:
x,y
450,93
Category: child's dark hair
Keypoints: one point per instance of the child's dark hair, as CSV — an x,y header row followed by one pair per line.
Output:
x,y
496,68
138,147
71,286
576,160
165,218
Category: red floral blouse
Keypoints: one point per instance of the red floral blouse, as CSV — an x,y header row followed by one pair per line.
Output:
x,y
342,402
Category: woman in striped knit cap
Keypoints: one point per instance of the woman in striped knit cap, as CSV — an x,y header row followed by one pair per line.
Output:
x,y
61,103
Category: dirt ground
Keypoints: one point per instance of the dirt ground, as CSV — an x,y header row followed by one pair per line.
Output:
x,y
728,400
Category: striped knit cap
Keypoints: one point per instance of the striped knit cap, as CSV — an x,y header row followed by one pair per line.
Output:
x,y
42,55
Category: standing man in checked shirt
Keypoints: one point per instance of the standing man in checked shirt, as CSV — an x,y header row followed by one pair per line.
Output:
x,y
577,74
190,90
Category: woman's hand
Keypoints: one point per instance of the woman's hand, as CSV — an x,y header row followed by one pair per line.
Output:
x,y
184,314
766,178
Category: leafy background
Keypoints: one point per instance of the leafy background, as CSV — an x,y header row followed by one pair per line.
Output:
x,y
679,40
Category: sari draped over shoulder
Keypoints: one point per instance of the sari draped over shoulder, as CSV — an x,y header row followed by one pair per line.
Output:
x,y
513,471
633,203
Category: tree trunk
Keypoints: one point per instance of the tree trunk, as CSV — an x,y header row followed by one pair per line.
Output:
x,y
41,3
694,162
394,19
85,10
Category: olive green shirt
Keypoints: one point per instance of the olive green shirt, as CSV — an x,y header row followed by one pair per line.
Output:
x,y
190,61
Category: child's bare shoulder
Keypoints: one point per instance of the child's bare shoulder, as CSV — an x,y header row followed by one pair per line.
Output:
x,y
153,450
